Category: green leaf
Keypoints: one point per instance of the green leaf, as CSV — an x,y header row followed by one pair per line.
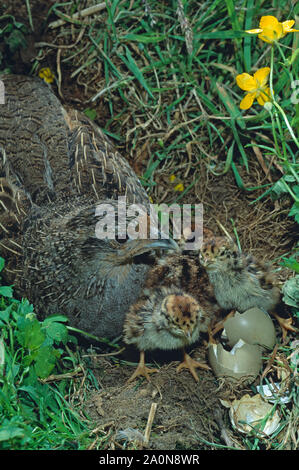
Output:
x,y
56,331
295,211
10,431
45,361
2,263
290,263
30,334
5,314
290,292
16,40
90,113
6,291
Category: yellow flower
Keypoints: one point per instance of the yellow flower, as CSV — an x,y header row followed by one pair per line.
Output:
x,y
256,86
172,178
179,187
46,74
271,29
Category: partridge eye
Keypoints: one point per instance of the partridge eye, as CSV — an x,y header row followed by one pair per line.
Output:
x,y
122,239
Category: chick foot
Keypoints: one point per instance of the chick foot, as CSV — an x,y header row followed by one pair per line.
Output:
x,y
142,370
285,325
191,364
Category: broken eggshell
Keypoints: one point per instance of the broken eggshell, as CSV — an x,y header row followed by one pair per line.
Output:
x,y
244,360
253,412
253,326
272,393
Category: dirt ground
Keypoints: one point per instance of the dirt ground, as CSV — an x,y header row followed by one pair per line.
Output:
x,y
189,415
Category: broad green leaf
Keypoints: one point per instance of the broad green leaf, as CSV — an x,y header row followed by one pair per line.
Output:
x,y
10,431
45,361
30,334
6,291
56,331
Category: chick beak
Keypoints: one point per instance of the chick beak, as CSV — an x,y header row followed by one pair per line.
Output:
x,y
188,335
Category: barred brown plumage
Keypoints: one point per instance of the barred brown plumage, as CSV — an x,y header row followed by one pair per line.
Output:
x,y
55,167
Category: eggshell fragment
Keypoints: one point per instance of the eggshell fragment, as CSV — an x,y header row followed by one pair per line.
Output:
x,y
244,360
253,412
272,393
253,326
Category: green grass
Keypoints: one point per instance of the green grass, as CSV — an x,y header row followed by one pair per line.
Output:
x,y
175,72
35,413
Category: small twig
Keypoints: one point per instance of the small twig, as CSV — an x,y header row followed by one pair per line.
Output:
x,y
59,72
106,354
150,423
69,375
270,362
80,14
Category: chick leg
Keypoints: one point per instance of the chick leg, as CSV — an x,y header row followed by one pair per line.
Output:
x,y
142,370
218,327
191,364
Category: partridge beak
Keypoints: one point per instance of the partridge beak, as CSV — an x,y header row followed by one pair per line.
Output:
x,y
137,247
164,244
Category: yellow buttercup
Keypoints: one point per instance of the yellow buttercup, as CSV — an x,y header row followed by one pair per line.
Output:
x,y
272,30
256,87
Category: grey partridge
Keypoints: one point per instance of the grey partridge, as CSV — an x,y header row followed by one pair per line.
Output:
x,y
56,168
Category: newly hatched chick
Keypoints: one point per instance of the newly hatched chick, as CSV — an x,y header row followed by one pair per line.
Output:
x,y
239,281
164,318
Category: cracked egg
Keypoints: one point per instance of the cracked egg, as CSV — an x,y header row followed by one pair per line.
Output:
x,y
243,361
253,326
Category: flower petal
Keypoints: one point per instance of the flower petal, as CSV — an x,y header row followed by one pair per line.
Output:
x,y
254,31
246,82
247,101
261,76
271,35
179,187
268,22
264,96
287,25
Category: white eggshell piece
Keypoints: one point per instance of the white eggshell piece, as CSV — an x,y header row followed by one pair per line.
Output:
x,y
253,412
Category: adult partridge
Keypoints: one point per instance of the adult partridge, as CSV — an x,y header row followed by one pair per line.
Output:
x,y
56,168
